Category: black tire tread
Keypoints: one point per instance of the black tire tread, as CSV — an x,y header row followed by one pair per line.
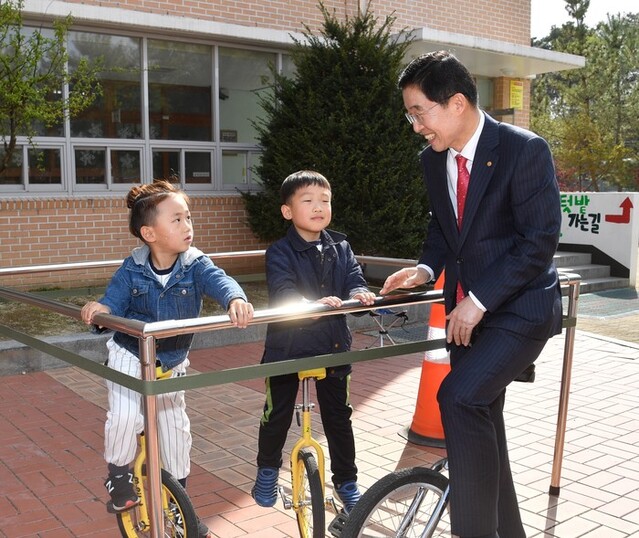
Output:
x,y
179,494
318,512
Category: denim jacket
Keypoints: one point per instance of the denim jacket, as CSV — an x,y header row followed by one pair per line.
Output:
x,y
296,270
135,293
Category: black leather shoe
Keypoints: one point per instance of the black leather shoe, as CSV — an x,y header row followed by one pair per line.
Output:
x,y
528,375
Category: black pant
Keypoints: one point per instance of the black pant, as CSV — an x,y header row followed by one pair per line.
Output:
x,y
335,411
471,400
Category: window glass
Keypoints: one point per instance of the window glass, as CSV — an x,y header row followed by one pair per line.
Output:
x,y
288,67
239,167
244,78
255,159
166,164
197,166
37,127
90,166
116,114
44,167
234,167
485,92
125,166
12,174
180,82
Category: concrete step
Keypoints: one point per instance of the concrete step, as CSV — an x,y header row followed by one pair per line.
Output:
x,y
591,285
588,271
563,259
594,277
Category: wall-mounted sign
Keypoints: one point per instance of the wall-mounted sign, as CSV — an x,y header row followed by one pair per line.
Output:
x,y
516,94
606,221
228,135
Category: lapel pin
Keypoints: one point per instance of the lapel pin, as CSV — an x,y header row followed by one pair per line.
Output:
x,y
489,163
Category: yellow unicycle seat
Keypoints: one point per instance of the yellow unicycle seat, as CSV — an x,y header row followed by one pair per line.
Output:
x,y
317,373
162,374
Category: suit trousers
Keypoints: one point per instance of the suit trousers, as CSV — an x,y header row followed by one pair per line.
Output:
x,y
335,411
483,501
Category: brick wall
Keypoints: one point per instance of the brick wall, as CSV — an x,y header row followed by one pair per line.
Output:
x,y
501,100
58,231
506,20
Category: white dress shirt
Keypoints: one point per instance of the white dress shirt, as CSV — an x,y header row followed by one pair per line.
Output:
x,y
468,151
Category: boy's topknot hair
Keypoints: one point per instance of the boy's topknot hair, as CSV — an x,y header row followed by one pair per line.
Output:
x,y
299,179
143,200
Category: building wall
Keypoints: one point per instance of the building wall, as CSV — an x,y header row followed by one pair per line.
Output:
x,y
506,20
46,231
501,100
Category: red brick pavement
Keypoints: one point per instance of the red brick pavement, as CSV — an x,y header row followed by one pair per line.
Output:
x,y
52,471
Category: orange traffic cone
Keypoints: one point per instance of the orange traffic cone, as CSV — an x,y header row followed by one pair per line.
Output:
x,y
426,428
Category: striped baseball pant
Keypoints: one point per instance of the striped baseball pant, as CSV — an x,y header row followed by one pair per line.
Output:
x,y
125,419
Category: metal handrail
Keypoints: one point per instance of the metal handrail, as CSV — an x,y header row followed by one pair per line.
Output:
x,y
30,269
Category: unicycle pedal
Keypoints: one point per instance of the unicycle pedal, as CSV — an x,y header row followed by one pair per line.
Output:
x,y
336,526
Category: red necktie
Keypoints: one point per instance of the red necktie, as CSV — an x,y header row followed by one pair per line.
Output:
x,y
463,177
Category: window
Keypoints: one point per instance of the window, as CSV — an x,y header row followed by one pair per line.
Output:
x,y
114,143
12,173
239,167
485,92
166,164
180,82
44,166
89,166
125,166
32,169
197,167
288,67
106,168
244,78
117,113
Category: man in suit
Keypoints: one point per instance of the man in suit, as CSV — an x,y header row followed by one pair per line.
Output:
x,y
501,290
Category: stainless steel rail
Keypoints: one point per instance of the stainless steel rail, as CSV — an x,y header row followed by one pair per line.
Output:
x,y
29,269
573,281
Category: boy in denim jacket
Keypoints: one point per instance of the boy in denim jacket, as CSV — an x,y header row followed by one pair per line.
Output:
x,y
318,265
166,278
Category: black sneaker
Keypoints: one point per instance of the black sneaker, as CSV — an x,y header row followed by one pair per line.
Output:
x,y
202,530
349,494
123,496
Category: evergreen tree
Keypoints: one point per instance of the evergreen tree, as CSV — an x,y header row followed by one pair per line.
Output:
x,y
342,115
589,115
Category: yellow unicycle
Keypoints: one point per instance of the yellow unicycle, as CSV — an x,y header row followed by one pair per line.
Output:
x,y
178,513
307,468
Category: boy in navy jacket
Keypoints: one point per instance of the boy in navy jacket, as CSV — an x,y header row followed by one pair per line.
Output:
x,y
315,265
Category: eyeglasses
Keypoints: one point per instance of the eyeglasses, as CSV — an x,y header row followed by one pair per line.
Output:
x,y
412,118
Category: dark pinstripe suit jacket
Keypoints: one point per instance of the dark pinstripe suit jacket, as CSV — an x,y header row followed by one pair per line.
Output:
x,y
512,218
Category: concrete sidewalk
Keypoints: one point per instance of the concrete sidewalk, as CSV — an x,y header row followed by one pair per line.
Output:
x,y
53,471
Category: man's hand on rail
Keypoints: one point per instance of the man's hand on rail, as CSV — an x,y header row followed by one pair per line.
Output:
x,y
91,309
408,277
240,313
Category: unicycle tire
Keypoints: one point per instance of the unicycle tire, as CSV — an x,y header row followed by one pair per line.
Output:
x,y
179,516
309,506
402,503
